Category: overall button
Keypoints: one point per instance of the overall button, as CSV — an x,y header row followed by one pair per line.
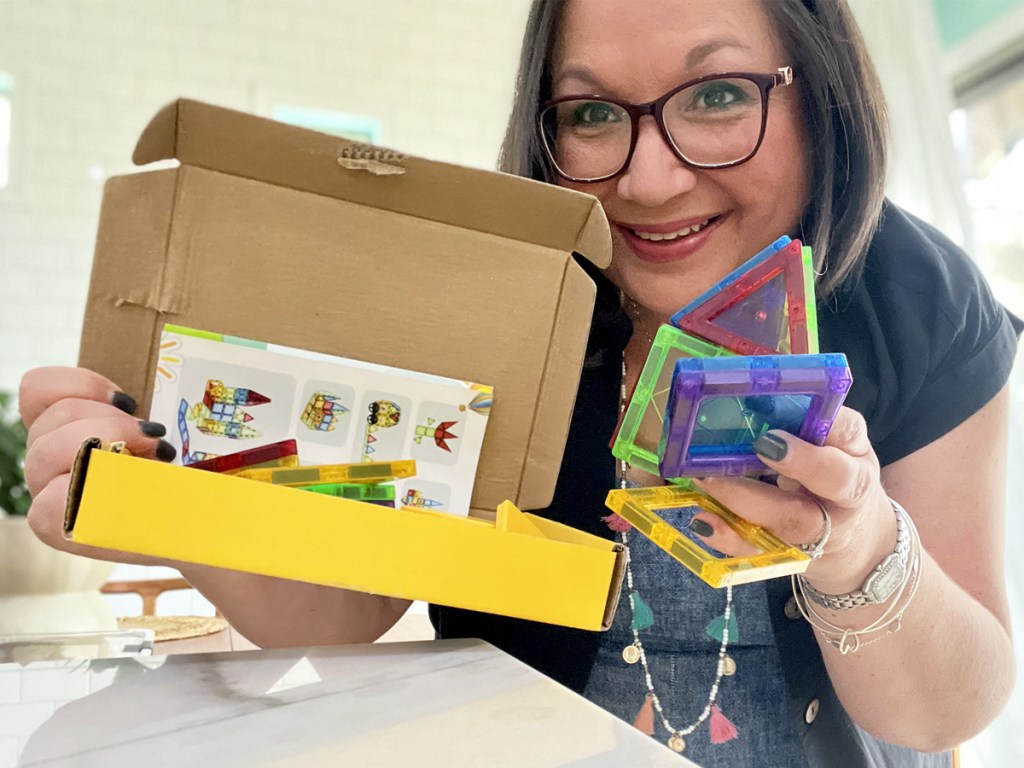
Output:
x,y
792,610
812,711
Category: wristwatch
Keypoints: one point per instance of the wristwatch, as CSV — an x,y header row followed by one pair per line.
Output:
x,y
881,583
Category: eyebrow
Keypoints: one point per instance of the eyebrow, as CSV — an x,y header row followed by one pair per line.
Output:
x,y
694,58
698,54
583,75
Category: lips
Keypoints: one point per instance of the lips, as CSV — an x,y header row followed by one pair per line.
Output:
x,y
672,241
671,235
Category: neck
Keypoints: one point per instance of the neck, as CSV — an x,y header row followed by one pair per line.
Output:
x,y
645,325
635,354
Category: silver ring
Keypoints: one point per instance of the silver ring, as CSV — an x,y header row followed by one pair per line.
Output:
x,y
817,547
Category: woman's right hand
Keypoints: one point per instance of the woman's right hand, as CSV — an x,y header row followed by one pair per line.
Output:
x,y
63,407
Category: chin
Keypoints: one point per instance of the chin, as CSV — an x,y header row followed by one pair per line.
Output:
x,y
656,292
663,295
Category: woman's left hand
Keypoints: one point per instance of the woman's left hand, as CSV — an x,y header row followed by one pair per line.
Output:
x,y
842,474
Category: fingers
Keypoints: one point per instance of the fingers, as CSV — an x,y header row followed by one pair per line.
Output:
x,y
717,534
41,388
46,518
842,474
46,515
73,409
788,484
843,471
62,407
69,410
849,433
52,453
793,517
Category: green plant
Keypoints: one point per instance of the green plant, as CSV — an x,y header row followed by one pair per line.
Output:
x,y
14,498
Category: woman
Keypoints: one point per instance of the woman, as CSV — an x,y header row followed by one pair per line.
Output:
x,y
926,423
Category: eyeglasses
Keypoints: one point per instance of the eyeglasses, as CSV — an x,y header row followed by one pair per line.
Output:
x,y
716,121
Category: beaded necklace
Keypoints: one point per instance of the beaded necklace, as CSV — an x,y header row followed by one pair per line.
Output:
x,y
643,618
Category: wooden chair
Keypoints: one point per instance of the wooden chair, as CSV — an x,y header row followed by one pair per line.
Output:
x,y
148,589
175,634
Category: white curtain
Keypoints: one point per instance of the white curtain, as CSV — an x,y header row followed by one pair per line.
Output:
x,y
923,172
924,178
923,175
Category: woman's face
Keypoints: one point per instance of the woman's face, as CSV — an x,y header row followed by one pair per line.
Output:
x,y
637,51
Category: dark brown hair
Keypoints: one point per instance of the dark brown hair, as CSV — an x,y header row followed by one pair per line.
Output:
x,y
843,106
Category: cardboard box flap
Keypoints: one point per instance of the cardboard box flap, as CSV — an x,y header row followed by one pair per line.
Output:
x,y
554,409
239,144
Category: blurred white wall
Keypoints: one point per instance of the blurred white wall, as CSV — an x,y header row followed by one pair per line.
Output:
x,y
87,76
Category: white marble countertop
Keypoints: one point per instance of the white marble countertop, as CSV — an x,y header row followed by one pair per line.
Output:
x,y
437,704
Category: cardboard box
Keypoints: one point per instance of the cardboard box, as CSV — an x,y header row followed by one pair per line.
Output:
x,y
276,233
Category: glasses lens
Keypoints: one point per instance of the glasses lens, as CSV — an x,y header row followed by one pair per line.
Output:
x,y
586,139
715,122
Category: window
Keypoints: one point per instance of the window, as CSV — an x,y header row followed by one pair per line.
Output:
x,y
353,127
6,87
988,129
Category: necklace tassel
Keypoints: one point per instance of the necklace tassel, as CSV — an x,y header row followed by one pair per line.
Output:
x,y
643,616
722,729
714,629
617,523
644,721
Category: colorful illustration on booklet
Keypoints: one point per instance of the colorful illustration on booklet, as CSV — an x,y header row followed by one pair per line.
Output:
x,y
381,441
189,456
168,361
327,415
222,406
222,411
422,494
439,433
228,395
481,404
322,412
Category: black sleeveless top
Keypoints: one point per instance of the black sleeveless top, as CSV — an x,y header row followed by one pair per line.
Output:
x,y
928,346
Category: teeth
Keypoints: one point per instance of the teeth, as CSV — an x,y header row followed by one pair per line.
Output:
x,y
656,236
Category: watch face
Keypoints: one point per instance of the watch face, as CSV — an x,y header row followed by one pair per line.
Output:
x,y
886,578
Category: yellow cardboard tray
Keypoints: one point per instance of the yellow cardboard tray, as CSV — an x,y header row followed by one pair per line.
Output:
x,y
520,565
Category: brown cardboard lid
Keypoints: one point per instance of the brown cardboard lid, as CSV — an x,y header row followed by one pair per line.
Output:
x,y
237,143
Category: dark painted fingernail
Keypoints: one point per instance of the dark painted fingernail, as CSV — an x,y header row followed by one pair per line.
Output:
x,y
124,402
701,528
165,451
771,447
152,429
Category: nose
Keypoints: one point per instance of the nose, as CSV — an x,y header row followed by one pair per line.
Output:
x,y
655,175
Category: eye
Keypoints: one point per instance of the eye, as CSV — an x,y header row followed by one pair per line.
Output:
x,y
718,94
595,113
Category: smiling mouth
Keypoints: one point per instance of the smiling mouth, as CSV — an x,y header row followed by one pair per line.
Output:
x,y
668,236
